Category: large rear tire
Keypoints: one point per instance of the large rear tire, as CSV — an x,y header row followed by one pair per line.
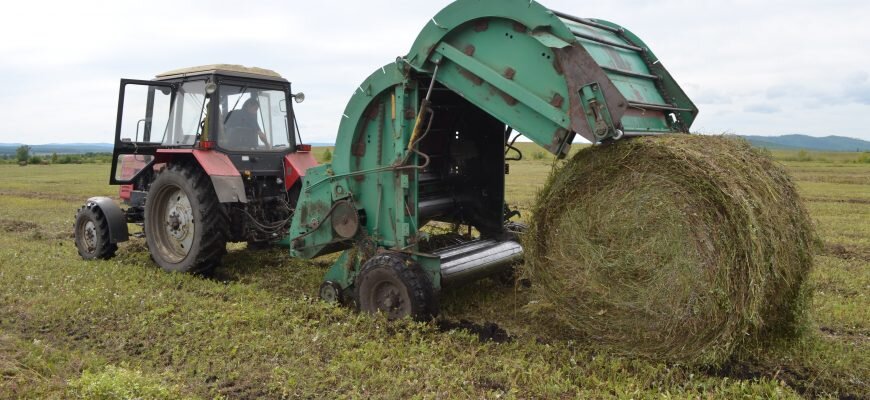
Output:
x,y
395,285
185,226
92,234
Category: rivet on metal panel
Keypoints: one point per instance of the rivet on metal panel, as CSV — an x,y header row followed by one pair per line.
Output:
x,y
510,73
557,101
469,50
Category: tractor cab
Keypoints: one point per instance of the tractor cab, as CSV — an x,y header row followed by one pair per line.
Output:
x,y
243,112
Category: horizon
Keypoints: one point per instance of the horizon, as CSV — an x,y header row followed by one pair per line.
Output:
x,y
522,139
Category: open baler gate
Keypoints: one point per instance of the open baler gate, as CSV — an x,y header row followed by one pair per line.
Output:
x,y
551,75
483,68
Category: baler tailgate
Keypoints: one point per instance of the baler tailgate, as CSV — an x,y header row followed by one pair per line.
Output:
x,y
628,67
551,75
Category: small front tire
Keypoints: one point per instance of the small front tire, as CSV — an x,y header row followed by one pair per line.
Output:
x,y
92,234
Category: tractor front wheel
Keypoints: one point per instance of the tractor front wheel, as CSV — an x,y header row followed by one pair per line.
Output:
x,y
92,234
185,225
396,285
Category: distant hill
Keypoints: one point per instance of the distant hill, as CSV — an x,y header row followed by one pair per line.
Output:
x,y
804,142
59,148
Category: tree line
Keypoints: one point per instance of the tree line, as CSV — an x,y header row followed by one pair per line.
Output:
x,y
24,156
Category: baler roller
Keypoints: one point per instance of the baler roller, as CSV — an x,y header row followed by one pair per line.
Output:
x,y
469,261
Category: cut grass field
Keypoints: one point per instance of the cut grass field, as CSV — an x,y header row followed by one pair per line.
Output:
x,y
253,328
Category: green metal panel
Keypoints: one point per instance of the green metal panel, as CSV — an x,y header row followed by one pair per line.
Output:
x,y
372,171
667,84
525,65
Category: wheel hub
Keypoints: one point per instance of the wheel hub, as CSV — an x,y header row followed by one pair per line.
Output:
x,y
388,299
178,223
89,235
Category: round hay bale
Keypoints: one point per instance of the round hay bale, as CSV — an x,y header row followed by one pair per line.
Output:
x,y
681,247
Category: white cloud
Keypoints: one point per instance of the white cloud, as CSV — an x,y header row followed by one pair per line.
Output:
x,y
800,61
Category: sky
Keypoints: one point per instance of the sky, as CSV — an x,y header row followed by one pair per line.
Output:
x,y
752,67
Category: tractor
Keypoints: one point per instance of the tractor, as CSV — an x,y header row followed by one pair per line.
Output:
x,y
423,144
203,156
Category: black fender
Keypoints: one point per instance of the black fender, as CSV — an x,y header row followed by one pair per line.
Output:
x,y
116,218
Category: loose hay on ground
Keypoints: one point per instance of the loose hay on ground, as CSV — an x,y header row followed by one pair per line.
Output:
x,y
678,247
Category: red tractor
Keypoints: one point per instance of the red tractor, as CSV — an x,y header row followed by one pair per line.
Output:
x,y
204,156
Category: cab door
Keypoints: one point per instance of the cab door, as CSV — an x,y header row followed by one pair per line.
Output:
x,y
142,126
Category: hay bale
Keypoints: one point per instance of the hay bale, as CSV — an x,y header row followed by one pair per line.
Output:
x,y
677,247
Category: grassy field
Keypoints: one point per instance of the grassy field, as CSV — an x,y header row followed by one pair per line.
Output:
x,y
124,329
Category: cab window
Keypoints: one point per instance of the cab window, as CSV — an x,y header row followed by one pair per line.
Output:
x,y
252,119
188,114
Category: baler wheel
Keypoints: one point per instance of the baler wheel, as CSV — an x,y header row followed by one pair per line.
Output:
x,y
92,234
396,285
185,225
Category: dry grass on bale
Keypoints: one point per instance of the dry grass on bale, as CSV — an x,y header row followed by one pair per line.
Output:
x,y
680,247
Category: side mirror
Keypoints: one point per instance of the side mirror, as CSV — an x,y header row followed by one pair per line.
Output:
x,y
299,97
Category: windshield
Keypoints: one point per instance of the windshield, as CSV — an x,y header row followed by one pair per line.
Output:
x,y
253,119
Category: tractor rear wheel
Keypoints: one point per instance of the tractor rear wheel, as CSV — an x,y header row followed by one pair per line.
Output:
x,y
92,234
185,226
396,285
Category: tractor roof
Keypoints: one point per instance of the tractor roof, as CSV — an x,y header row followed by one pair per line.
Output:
x,y
222,69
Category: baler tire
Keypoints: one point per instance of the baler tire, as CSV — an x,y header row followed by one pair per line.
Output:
x,y
402,285
91,231
207,218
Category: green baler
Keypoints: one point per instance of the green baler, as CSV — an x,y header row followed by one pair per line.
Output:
x,y
423,141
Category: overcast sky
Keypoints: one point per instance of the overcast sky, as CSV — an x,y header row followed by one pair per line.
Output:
x,y
752,67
